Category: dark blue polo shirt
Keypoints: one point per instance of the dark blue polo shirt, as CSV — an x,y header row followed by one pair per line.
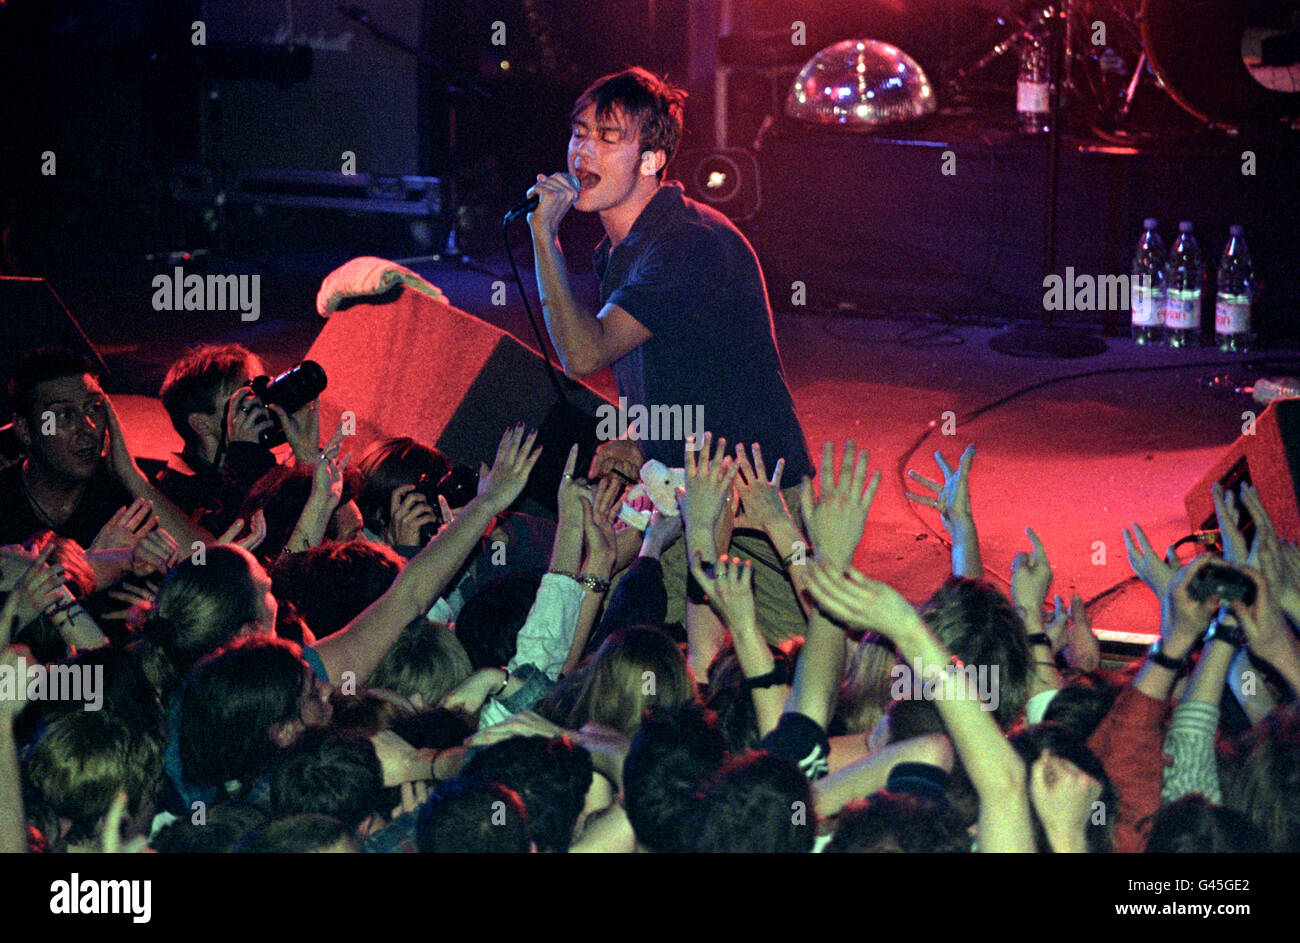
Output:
x,y
690,277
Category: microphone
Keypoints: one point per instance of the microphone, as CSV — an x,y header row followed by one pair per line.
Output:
x,y
530,204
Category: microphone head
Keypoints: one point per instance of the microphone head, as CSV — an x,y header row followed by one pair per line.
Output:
x,y
573,180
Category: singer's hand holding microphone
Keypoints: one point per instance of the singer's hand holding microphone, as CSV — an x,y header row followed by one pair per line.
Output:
x,y
563,186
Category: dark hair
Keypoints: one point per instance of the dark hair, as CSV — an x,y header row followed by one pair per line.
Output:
x,y
199,608
490,620
1264,780
329,773
219,831
390,463
550,776
232,699
281,494
978,624
655,107
468,816
913,718
1032,741
1194,824
331,585
899,822
758,804
40,366
732,702
194,381
1082,704
434,728
81,761
676,751
296,834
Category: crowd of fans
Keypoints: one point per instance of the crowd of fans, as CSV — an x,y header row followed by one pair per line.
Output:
x,y
306,653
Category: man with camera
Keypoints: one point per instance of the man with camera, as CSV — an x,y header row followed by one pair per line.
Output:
x,y
228,431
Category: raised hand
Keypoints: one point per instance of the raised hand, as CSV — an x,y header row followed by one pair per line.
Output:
x,y
572,490
730,587
121,464
400,762
952,498
40,588
1228,513
836,519
1082,650
618,455
761,502
158,552
707,496
132,596
848,597
127,527
514,462
1031,577
301,429
1148,567
1267,632
250,541
599,538
1063,797
1184,619
409,510
246,417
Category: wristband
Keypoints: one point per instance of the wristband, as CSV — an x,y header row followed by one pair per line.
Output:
x,y
778,675
1157,655
1226,630
501,690
597,584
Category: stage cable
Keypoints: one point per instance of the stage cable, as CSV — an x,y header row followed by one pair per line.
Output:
x,y
942,535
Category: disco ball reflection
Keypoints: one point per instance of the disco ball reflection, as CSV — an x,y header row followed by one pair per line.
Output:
x,y
860,85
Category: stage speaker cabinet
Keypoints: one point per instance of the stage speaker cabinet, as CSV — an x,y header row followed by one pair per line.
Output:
x,y
1270,460
405,364
31,316
724,178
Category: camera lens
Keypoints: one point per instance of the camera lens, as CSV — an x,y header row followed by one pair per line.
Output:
x,y
291,391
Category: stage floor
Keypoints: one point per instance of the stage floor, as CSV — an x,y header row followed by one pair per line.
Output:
x,y
1076,449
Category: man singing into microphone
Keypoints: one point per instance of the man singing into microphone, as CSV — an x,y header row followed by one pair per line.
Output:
x,y
685,319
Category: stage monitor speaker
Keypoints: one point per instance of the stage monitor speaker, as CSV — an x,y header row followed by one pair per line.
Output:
x,y
1269,460
724,178
31,316
415,366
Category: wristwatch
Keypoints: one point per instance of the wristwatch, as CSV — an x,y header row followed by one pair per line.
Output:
x,y
1227,630
1157,655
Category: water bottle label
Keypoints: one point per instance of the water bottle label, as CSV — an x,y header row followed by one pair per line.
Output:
x,y
1231,317
1032,97
1148,307
1183,314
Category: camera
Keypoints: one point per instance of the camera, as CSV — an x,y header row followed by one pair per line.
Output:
x,y
1223,581
459,486
291,391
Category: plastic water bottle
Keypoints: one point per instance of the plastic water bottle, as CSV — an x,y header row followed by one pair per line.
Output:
x,y
1033,84
1183,291
1147,288
1236,290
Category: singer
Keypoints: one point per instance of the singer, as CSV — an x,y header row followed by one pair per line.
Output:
x,y
685,319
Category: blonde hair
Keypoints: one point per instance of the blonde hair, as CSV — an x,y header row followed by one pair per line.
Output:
x,y
633,670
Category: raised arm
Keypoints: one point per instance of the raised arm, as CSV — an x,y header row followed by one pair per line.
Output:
x,y
585,342
952,500
705,506
123,467
835,522
994,767
361,644
762,507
